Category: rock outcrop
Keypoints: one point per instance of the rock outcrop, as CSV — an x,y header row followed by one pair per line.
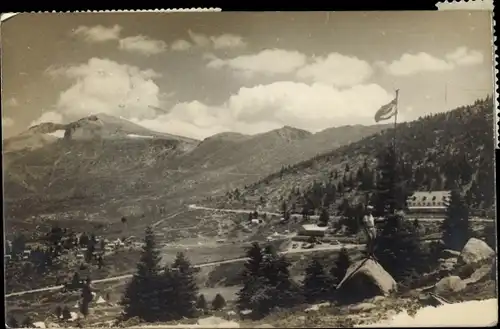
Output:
x,y
365,279
449,284
474,252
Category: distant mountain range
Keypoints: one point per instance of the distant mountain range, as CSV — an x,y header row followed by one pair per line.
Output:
x,y
102,159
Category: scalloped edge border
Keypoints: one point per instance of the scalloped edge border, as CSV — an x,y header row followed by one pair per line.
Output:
x,y
462,5
6,16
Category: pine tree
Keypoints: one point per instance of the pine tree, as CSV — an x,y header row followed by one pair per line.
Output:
x,y
12,322
316,282
324,218
141,297
390,194
185,285
86,298
201,303
398,248
218,303
27,322
58,311
339,268
66,314
456,227
250,276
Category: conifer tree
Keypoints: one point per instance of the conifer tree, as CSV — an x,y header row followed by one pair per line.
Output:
x,y
250,276
324,218
141,297
218,303
185,285
86,298
201,303
58,311
390,195
12,322
398,248
339,268
66,314
27,322
456,227
316,282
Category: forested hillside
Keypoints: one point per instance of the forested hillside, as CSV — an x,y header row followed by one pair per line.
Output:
x,y
440,151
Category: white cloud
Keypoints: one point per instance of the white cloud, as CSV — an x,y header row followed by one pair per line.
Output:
x,y
464,56
143,45
181,45
265,107
98,33
410,64
7,122
50,116
224,41
228,41
102,85
337,70
12,102
269,61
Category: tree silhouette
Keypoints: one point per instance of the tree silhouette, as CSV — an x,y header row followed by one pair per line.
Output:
x,y
141,298
218,303
316,284
456,227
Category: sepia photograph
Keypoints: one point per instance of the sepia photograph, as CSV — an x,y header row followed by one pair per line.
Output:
x,y
249,169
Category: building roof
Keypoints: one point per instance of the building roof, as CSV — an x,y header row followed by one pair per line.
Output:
x,y
314,227
425,196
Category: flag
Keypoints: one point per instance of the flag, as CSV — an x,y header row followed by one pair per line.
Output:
x,y
387,111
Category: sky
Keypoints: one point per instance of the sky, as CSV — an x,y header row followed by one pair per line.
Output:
x,y
199,74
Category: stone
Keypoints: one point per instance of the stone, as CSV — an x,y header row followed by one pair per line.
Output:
x,y
366,279
479,274
449,253
475,251
362,307
449,284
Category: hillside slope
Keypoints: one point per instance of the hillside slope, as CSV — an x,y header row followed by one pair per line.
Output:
x,y
437,151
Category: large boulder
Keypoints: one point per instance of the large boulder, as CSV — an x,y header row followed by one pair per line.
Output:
x,y
475,251
365,279
449,284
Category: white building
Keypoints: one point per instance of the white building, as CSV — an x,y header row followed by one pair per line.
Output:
x,y
428,202
312,230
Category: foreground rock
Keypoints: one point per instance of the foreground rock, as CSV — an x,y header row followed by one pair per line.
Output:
x,y
474,252
449,284
365,279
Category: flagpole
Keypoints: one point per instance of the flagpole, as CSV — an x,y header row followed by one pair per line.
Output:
x,y
396,120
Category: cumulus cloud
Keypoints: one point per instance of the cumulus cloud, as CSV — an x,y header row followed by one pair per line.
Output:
x,y
269,61
264,107
121,90
7,122
181,45
143,45
410,64
337,70
228,41
102,85
51,116
224,41
464,56
98,33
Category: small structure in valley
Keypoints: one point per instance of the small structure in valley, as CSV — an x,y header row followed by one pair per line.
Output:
x,y
312,230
